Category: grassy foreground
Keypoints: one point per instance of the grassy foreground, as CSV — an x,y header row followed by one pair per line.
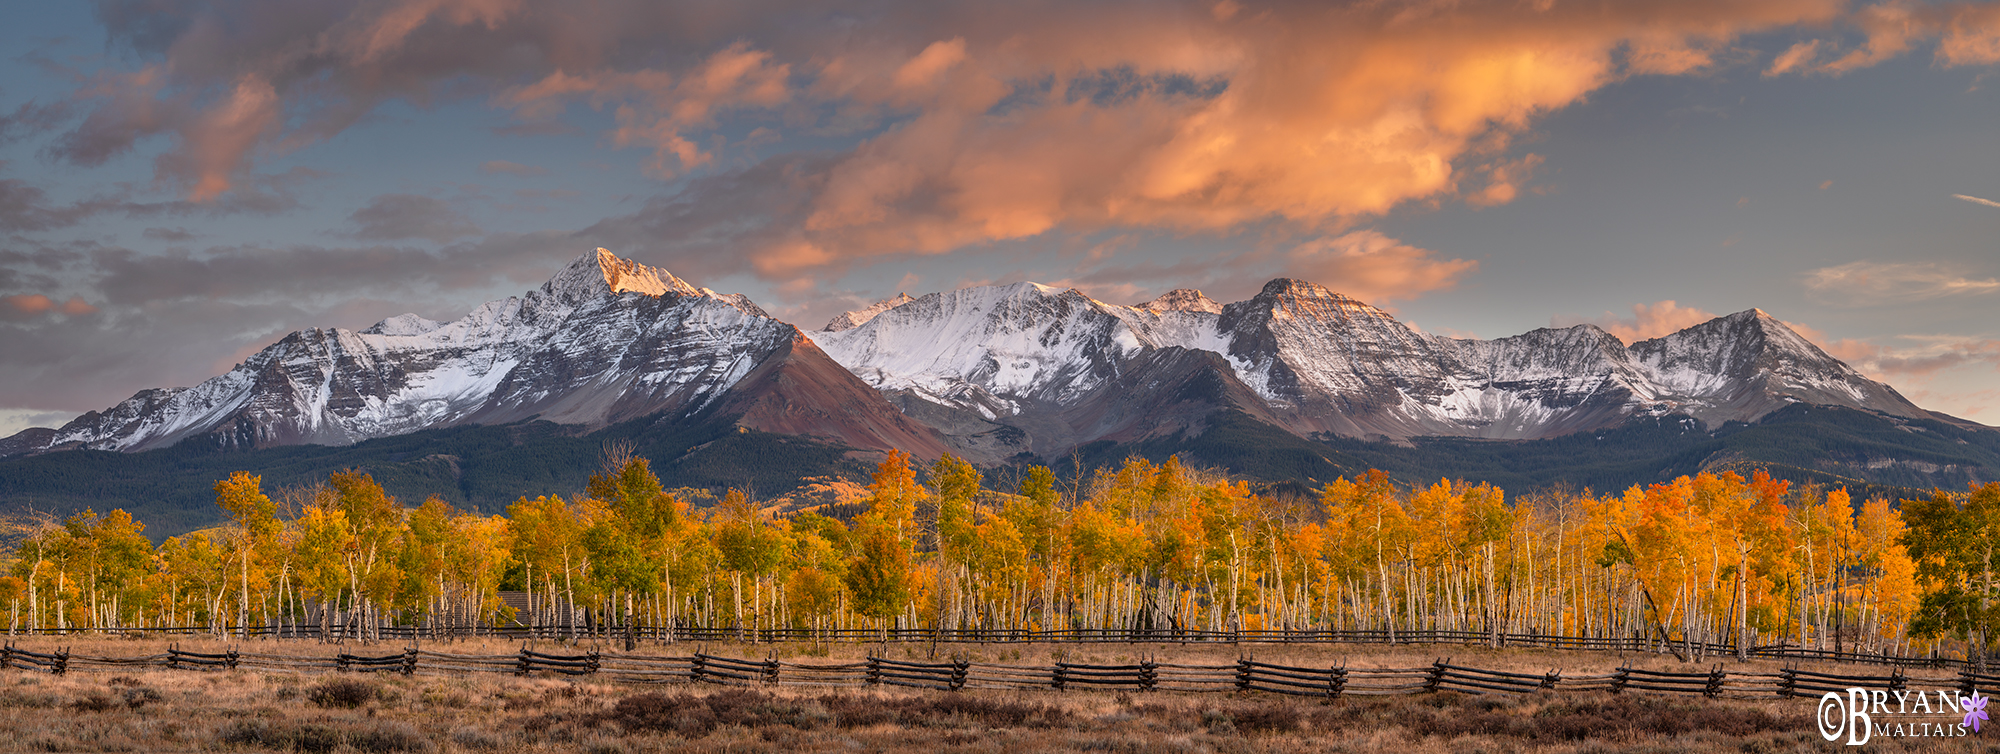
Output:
x,y
182,710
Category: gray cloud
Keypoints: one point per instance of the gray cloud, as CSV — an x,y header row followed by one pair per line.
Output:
x,y
394,217
177,318
702,230
169,235
25,208
324,275
32,118
1869,283
491,167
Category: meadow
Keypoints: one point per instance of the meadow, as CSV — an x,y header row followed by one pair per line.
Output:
x,y
159,709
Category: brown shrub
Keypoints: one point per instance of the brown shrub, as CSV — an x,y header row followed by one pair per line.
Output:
x,y
95,701
341,692
695,716
314,738
1601,717
140,696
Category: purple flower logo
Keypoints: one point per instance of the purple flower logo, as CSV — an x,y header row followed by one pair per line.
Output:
x,y
1975,709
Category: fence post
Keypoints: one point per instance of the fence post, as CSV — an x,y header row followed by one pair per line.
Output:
x,y
525,663
1059,679
1435,677
1787,681
1714,688
1619,678
959,669
771,669
410,661
875,671
700,669
1336,682
230,658
62,661
595,662
1242,674
1149,675
7,656
1551,678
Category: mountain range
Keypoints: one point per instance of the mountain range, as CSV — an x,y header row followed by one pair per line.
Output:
x,y
1294,384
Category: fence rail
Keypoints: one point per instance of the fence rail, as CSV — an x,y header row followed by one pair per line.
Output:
x,y
1245,675
1634,643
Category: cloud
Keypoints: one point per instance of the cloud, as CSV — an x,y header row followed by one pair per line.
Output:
x,y
977,123
1795,58
32,118
394,217
14,420
491,167
180,317
29,304
25,207
1375,268
32,305
1648,321
170,235
1977,200
1967,33
1941,372
1924,357
316,277
657,109
1971,36
1866,283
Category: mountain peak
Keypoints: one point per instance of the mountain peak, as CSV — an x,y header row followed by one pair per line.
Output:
x,y
1182,300
1306,298
604,273
1300,289
859,317
403,324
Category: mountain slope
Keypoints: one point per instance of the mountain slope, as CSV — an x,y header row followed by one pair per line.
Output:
x,y
1041,361
606,340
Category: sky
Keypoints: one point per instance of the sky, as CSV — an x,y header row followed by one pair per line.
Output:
x,y
183,183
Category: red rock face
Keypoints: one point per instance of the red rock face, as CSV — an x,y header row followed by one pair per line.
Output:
x,y
798,390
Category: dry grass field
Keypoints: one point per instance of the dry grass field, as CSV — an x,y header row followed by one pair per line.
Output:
x,y
241,710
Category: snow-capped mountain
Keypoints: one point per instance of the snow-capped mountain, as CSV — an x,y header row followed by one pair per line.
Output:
x,y
990,372
606,340
1048,362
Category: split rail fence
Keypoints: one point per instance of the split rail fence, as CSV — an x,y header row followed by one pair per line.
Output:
x,y
1245,675
694,634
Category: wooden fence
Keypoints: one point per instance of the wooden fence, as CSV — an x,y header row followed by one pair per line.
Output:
x,y
694,634
1245,675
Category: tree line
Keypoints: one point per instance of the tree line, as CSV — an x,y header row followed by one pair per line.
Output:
x,y
1711,558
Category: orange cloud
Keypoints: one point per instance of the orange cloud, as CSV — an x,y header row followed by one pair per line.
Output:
x,y
1376,268
1971,37
29,303
1326,115
36,304
1967,33
988,123
216,147
1648,321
